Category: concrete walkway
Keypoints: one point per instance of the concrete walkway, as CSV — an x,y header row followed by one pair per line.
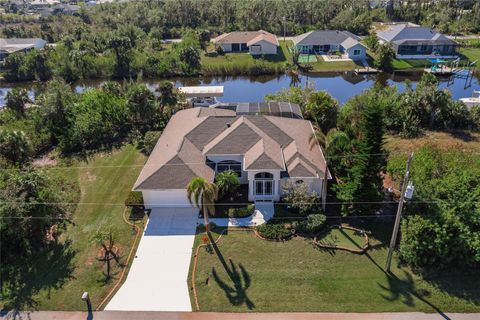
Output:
x,y
157,280
263,212
117,315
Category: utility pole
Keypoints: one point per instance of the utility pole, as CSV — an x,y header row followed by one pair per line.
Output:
x,y
399,214
324,188
284,20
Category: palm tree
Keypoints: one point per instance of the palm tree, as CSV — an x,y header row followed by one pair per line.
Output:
x,y
333,137
203,194
105,240
227,183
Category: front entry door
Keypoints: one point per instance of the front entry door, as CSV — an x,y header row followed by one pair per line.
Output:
x,y
264,188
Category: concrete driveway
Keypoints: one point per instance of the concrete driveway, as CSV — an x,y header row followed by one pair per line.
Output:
x,y
157,280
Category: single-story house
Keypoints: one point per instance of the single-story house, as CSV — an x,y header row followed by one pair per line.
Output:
x,y
415,42
11,45
267,149
253,42
328,41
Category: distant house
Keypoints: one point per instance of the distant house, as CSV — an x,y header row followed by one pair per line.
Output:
x,y
253,42
265,144
328,41
415,42
11,45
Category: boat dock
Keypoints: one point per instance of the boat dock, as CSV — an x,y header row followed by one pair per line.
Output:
x,y
441,70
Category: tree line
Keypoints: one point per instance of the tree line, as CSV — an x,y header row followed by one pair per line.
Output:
x,y
441,229
124,39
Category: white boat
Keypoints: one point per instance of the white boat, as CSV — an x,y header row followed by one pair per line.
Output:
x,y
202,96
473,101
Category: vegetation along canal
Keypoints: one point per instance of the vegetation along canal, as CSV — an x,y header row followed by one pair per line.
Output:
x,y
341,86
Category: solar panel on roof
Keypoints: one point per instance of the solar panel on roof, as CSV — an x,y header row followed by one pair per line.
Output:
x,y
264,109
274,108
254,107
243,108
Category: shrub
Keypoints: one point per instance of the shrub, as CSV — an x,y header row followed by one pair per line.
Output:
x,y
298,196
313,224
220,50
134,198
149,141
275,231
241,212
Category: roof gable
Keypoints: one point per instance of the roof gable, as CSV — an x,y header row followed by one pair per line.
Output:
x,y
265,142
248,37
236,141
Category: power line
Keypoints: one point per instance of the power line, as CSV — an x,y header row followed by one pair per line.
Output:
x,y
168,164
175,205
192,163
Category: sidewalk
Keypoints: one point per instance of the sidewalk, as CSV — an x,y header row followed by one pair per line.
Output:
x,y
140,315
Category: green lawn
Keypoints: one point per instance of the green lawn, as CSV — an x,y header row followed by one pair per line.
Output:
x,y
244,273
245,63
471,54
323,66
60,279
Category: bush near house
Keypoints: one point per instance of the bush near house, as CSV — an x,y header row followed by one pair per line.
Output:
x,y
299,198
241,212
149,141
134,198
275,230
313,224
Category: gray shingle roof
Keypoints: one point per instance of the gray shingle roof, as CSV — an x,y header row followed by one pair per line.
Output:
x,y
322,37
266,142
402,33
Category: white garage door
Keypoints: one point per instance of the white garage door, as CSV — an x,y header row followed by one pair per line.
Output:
x,y
166,198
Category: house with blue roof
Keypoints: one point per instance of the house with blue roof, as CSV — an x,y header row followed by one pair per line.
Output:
x,y
324,42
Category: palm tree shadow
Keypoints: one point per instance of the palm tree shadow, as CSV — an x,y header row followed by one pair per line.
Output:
x,y
404,289
236,287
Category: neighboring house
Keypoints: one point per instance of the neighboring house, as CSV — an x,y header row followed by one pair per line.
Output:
x,y
253,42
329,41
266,144
11,45
411,41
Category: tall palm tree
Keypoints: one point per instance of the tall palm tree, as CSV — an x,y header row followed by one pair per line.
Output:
x,y
203,194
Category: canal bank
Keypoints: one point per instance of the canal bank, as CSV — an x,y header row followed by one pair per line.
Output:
x,y
342,86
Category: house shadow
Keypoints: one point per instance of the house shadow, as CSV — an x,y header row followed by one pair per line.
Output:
x,y
238,282
48,270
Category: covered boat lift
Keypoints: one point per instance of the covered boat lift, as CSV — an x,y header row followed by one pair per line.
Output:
x,y
202,92
204,96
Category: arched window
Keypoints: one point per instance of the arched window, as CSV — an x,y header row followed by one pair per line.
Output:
x,y
264,175
232,165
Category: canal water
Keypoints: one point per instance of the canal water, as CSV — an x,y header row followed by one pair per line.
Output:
x,y
342,86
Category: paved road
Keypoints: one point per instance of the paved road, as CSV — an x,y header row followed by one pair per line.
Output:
x,y
119,315
157,280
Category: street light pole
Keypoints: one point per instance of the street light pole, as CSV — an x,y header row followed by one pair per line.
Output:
x,y
399,214
284,20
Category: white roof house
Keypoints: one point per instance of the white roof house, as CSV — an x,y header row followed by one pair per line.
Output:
x,y
253,42
265,146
